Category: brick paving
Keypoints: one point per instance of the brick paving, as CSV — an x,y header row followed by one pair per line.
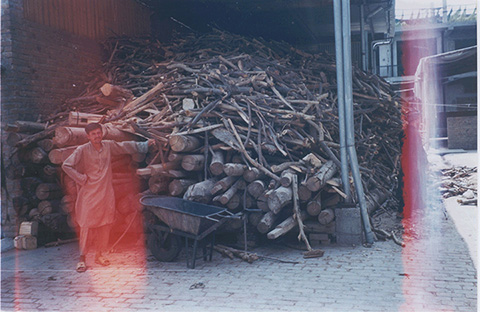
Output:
x,y
434,272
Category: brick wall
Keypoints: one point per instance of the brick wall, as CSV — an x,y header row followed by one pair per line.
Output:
x,y
41,68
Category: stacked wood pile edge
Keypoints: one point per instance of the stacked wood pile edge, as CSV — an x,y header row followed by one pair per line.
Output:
x,y
241,123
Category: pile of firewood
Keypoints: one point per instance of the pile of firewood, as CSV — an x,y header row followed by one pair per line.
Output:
x,y
241,123
460,181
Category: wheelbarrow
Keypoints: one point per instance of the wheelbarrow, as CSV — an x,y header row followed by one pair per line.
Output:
x,y
182,218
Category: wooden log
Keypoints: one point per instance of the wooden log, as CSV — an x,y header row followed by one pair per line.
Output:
x,y
267,222
331,201
48,206
200,192
223,184
375,198
48,191
113,91
21,205
326,216
262,201
216,165
78,119
69,136
286,177
158,184
256,188
46,144
314,207
38,156
29,185
233,169
20,170
234,202
126,205
326,172
254,218
67,203
179,186
252,174
193,162
13,138
286,226
279,198
183,143
57,156
225,197
50,170
26,126
36,137
304,194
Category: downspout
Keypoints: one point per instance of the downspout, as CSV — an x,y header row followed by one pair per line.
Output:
x,y
362,36
349,122
341,101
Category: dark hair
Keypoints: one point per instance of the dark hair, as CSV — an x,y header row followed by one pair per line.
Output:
x,y
92,126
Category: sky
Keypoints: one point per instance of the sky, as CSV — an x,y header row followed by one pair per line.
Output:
x,y
407,6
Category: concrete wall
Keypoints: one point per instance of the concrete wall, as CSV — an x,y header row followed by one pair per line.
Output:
x,y
41,68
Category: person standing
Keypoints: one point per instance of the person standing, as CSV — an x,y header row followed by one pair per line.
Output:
x,y
90,167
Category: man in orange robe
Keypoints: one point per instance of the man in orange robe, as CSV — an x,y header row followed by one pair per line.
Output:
x,y
90,167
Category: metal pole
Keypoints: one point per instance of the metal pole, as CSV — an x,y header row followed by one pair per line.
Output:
x,y
341,102
362,36
349,124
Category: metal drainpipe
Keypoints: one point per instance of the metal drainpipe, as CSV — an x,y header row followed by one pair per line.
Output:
x,y
349,123
362,36
340,99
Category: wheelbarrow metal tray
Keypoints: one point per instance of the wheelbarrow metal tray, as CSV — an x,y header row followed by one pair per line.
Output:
x,y
180,214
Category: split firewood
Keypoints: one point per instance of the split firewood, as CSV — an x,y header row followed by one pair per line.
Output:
x,y
279,198
286,226
319,180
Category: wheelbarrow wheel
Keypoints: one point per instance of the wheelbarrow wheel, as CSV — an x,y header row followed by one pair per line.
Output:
x,y
165,247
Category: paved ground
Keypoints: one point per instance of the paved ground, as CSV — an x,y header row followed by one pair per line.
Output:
x,y
434,272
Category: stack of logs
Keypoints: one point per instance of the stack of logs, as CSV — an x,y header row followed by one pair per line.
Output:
x,y
237,121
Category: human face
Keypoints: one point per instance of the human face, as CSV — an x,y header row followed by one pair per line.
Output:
x,y
95,136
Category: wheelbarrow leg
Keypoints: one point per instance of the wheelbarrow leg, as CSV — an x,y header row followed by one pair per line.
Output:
x,y
211,247
195,243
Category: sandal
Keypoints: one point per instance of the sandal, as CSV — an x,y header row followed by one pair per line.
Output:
x,y
102,261
81,267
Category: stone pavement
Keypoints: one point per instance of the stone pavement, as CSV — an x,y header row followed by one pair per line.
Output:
x,y
433,272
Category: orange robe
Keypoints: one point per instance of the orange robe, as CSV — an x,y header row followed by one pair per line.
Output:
x,y
92,171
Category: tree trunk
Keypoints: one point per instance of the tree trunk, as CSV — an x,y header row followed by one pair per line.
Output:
x,y
49,206
256,188
57,156
200,192
286,226
235,170
48,191
326,216
326,172
158,184
179,186
216,165
252,174
267,222
193,162
314,208
286,177
223,185
279,198
184,143
304,194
